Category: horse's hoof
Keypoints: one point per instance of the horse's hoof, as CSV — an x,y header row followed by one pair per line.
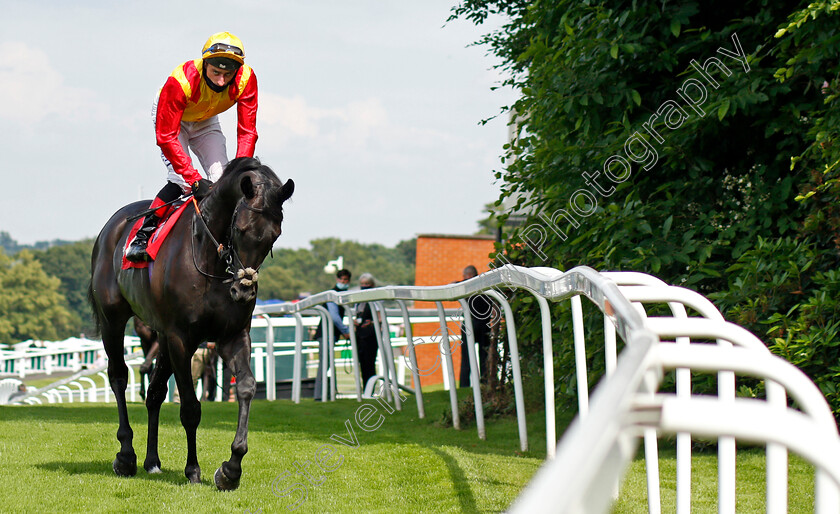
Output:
x,y
193,474
124,469
152,466
223,482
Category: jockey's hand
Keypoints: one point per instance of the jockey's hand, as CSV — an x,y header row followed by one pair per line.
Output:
x,y
201,188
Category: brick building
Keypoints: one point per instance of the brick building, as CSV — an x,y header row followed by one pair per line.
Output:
x,y
441,260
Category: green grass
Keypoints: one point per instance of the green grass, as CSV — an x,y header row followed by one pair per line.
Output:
x,y
749,484
58,459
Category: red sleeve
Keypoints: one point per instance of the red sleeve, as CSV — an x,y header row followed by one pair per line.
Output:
x,y
170,110
246,110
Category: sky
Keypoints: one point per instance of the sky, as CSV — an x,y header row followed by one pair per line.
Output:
x,y
373,107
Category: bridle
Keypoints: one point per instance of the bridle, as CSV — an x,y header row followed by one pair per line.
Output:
x,y
226,252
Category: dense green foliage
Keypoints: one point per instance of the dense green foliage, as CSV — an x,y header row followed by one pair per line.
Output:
x,y
71,265
31,305
734,194
291,272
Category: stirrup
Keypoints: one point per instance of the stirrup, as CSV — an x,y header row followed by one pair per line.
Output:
x,y
137,252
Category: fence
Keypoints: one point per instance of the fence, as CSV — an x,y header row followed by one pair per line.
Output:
x,y
626,407
70,355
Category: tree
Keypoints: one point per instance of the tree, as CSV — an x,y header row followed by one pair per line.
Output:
x,y
290,272
637,150
71,265
278,282
407,251
31,306
787,289
8,244
12,247
489,226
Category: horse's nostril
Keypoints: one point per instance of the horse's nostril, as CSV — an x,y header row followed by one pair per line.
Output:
x,y
242,294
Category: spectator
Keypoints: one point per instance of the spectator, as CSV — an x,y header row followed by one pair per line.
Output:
x,y
202,361
366,333
20,393
228,384
480,309
210,383
336,311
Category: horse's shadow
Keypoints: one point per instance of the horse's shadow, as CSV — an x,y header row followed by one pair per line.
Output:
x,y
100,468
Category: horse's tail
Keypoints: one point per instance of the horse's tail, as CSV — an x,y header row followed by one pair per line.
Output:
x,y
94,309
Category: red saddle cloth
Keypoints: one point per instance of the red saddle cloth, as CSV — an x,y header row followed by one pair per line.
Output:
x,y
157,238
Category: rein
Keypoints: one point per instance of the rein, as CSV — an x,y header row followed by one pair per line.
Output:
x,y
227,253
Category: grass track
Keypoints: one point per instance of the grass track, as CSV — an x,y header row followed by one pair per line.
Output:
x,y
58,459
749,488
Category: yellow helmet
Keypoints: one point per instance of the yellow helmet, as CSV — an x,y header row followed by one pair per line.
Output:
x,y
224,45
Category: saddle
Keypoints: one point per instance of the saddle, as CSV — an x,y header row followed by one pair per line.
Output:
x,y
157,238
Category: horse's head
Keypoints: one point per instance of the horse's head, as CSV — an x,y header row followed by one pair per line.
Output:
x,y
256,221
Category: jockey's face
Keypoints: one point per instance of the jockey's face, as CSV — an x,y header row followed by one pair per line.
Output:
x,y
218,76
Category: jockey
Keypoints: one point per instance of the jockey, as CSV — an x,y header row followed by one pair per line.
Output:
x,y
185,116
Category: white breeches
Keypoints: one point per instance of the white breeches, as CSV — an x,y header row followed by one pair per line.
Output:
x,y
206,141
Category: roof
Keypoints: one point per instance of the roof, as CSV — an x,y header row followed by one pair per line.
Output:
x,y
455,236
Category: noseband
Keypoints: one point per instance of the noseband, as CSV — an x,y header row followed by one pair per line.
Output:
x,y
227,253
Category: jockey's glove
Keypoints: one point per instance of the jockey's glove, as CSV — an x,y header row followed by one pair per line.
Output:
x,y
201,188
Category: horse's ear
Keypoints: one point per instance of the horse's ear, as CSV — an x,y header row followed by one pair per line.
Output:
x,y
286,191
247,187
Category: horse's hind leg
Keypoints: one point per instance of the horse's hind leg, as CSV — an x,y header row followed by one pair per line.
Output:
x,y
237,354
112,338
158,386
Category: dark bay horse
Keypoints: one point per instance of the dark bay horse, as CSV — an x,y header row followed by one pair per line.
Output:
x,y
195,290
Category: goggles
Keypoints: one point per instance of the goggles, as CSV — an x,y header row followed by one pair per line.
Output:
x,y
224,48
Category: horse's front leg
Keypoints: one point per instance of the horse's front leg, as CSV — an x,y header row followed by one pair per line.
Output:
x,y
237,355
190,406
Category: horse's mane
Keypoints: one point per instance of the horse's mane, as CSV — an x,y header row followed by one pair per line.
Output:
x,y
240,165
235,168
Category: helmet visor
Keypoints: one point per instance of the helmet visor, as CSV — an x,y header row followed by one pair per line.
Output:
x,y
220,48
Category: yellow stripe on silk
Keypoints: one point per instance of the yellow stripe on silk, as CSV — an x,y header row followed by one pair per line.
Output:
x,y
243,79
179,75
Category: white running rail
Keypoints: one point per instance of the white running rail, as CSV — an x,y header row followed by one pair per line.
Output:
x,y
627,407
81,386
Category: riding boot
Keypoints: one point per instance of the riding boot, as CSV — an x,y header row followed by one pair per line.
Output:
x,y
137,249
